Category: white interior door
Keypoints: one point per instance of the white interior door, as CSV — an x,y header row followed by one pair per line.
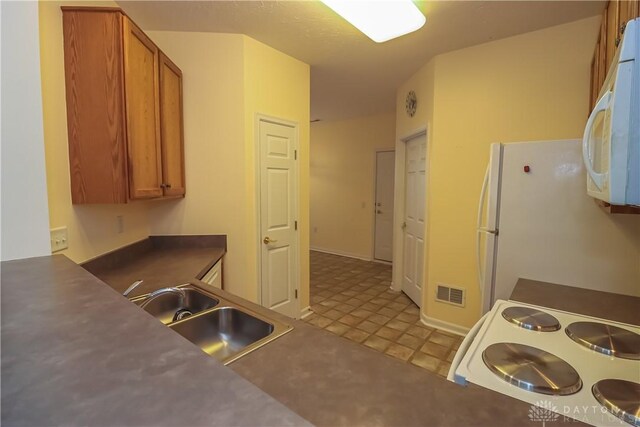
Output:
x,y
414,221
383,239
278,207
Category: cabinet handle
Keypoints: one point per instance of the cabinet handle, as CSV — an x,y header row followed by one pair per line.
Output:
x,y
168,185
165,185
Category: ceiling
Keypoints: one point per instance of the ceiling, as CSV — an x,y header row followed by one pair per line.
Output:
x,y
350,74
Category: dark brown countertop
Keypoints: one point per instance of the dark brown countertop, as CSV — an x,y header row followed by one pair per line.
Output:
x,y
160,261
605,305
75,352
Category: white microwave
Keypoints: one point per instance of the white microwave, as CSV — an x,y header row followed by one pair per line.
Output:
x,y
611,142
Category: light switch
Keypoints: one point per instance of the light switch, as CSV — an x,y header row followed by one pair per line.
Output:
x,y
59,239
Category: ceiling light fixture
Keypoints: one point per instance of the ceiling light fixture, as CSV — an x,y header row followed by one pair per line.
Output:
x,y
380,20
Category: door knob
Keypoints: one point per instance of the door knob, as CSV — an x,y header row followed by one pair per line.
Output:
x,y
268,240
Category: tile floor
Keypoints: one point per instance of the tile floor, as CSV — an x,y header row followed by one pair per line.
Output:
x,y
351,298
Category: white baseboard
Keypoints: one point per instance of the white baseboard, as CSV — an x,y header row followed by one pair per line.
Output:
x,y
340,253
305,312
445,326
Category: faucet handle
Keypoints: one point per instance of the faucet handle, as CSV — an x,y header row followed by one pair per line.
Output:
x,y
132,287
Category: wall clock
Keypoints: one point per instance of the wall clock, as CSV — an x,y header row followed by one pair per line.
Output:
x,y
411,103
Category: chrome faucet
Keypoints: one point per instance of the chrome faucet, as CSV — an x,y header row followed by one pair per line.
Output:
x,y
132,287
153,295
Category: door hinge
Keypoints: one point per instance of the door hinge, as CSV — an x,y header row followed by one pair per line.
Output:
x,y
295,154
295,224
296,294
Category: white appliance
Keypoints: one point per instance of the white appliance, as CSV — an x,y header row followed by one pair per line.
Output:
x,y
539,224
611,142
472,363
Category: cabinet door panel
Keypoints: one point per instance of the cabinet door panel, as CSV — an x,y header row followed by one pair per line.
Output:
x,y
171,124
95,106
143,116
612,33
628,11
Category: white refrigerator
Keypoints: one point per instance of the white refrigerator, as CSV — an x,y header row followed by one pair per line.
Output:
x,y
536,221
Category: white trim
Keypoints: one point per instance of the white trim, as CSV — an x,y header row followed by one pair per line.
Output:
x,y
340,253
444,326
259,117
306,312
375,208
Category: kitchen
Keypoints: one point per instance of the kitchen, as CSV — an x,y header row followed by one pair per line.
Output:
x,y
444,75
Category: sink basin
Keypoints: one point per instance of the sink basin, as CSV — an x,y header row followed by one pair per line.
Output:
x,y
225,333
165,307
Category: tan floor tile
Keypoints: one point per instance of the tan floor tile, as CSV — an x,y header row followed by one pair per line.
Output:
x,y
369,306
410,341
419,332
409,318
320,321
361,313
338,328
377,343
451,355
456,345
398,324
350,320
388,312
345,308
368,326
356,335
333,314
430,363
388,333
443,370
329,303
439,338
354,302
381,301
319,308
378,318
363,297
397,306
435,350
412,309
399,352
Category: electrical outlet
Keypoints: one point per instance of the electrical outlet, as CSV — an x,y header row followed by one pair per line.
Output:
x,y
59,239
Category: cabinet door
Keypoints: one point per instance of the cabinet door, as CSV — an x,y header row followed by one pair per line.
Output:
x,y
628,11
171,125
143,115
612,33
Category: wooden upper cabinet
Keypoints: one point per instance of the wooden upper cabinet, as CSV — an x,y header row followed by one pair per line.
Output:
x,y
124,110
614,19
172,129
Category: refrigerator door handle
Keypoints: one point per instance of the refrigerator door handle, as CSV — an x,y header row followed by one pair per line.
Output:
x,y
596,177
483,193
462,351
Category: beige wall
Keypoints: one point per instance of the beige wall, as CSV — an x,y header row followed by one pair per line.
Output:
x,y
277,85
533,86
92,228
343,182
228,78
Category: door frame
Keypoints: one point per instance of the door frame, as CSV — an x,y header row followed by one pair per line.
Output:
x,y
399,211
260,117
373,211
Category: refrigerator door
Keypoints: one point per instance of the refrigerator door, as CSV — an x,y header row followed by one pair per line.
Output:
x,y
552,231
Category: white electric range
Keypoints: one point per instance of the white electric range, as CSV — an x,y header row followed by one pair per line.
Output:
x,y
565,365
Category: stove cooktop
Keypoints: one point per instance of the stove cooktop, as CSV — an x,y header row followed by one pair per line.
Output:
x,y
606,339
532,319
620,397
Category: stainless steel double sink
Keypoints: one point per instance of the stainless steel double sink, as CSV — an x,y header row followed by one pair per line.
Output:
x,y
221,328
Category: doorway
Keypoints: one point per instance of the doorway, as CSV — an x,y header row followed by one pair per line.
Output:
x,y
384,187
278,208
413,224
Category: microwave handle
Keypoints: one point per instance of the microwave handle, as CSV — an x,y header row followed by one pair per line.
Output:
x,y
601,105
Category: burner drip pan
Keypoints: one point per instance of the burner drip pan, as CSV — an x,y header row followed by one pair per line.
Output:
x,y
532,369
620,397
532,319
606,339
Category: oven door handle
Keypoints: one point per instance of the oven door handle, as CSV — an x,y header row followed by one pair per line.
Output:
x,y
462,351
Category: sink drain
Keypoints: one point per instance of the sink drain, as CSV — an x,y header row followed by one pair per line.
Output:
x,y
181,314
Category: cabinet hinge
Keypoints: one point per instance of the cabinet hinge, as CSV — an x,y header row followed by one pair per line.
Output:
x,y
295,154
295,224
296,294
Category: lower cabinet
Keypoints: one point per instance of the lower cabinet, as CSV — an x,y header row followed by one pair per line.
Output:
x,y
214,276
